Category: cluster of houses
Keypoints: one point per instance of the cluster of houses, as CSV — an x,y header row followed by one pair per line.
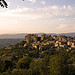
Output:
x,y
45,41
65,42
42,41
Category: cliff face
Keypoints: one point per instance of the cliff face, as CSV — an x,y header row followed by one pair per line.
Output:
x,y
31,38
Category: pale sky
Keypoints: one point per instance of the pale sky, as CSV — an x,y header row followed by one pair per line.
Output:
x,y
36,16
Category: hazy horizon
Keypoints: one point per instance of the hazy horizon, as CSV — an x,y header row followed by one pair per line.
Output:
x,y
35,33
38,16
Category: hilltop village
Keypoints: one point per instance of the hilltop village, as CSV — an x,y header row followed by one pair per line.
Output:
x,y
48,42
36,46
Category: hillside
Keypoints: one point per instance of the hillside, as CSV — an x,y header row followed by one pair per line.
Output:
x,y
7,42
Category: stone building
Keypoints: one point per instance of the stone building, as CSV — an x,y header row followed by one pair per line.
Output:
x,y
45,37
60,38
63,38
69,43
60,44
73,44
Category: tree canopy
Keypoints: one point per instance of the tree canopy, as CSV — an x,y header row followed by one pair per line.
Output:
x,y
3,3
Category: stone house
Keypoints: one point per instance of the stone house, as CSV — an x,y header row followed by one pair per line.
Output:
x,y
69,43
60,44
63,38
45,37
73,44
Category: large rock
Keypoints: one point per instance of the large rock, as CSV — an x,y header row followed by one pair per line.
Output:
x,y
31,38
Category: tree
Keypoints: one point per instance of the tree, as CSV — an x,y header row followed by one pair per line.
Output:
x,y
58,65
24,62
1,66
20,72
8,64
35,67
40,66
71,62
3,3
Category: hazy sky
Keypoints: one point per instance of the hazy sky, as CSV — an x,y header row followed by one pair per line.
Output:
x,y
36,16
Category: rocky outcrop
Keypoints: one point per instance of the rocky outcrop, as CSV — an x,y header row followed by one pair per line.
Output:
x,y
34,37
31,38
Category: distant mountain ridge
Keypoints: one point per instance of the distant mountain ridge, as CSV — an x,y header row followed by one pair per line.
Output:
x,y
68,34
14,36
22,35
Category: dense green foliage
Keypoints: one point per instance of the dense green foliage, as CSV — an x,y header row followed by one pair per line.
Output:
x,y
24,63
